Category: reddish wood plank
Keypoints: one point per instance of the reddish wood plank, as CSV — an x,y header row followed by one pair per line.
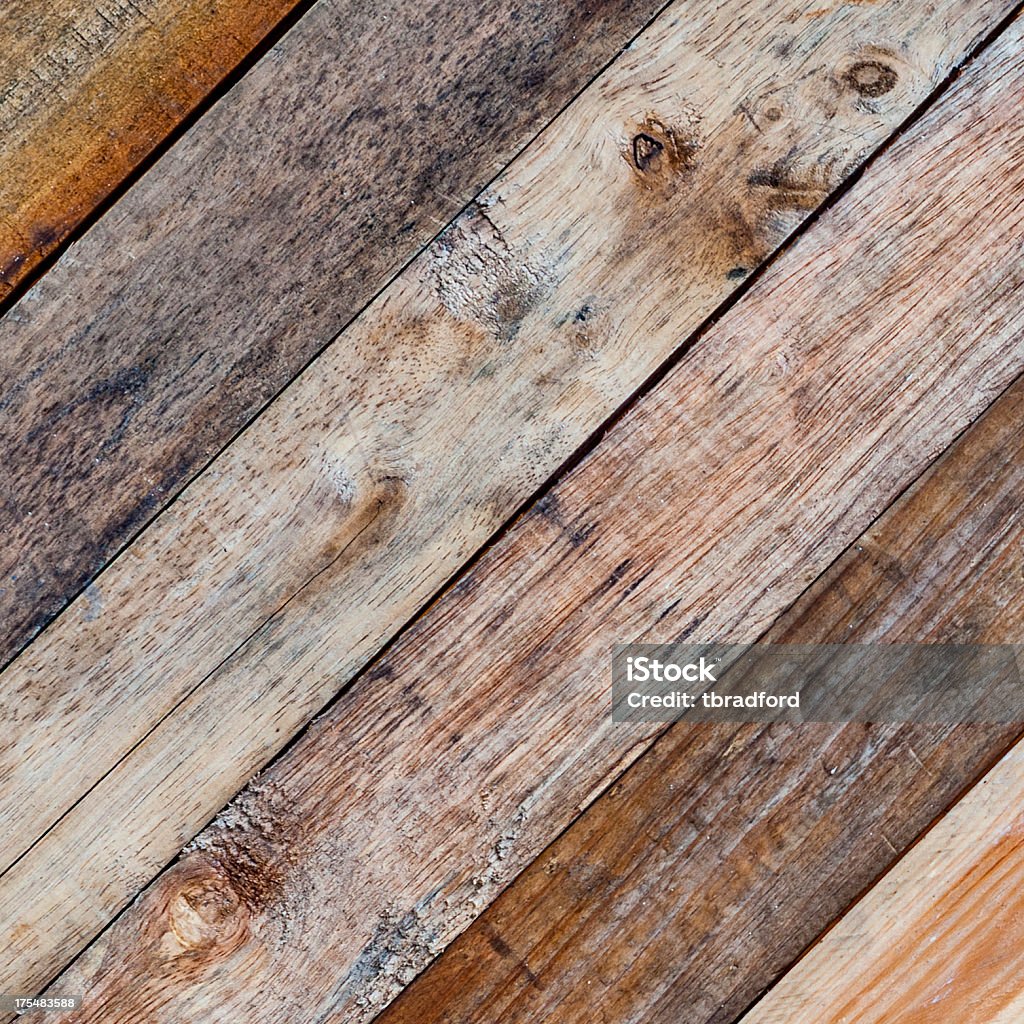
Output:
x,y
688,887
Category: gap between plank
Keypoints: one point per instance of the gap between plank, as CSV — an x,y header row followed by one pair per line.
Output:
x,y
967,788
581,453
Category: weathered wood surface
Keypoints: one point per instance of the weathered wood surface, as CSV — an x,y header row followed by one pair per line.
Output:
x,y
725,851
244,251
89,90
940,938
441,773
414,438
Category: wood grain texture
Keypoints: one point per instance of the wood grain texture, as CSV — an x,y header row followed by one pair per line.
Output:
x,y
89,90
199,653
440,774
939,938
682,893
246,249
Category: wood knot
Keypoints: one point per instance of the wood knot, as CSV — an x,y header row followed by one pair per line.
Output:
x,y
658,154
646,149
205,913
871,78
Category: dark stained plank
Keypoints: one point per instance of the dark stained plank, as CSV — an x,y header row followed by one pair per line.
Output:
x,y
435,779
706,870
88,91
247,248
197,655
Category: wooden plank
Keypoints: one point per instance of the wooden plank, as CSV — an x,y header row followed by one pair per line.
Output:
x,y
441,773
687,888
247,248
400,452
939,938
89,90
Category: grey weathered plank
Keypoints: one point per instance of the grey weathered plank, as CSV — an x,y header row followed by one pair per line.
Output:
x,y
90,90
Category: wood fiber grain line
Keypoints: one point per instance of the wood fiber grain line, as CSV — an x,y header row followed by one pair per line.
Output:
x,y
249,245
402,449
89,90
439,775
939,938
682,893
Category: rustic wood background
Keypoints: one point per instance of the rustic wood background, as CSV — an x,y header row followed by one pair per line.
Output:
x,y
368,372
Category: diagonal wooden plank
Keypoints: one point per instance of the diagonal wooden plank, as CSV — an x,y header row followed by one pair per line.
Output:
x,y
442,772
88,91
939,938
457,393
691,885
247,248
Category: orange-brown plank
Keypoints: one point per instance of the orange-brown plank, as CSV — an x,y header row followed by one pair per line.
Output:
x,y
685,890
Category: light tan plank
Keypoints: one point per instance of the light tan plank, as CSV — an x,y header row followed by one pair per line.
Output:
x,y
443,771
